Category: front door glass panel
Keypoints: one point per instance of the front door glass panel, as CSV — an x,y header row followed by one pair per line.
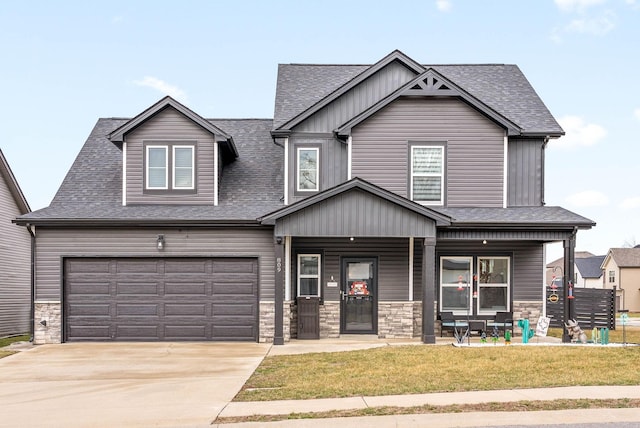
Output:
x,y
358,296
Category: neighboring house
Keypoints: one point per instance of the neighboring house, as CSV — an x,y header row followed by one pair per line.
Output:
x,y
385,193
15,257
589,272
621,269
555,268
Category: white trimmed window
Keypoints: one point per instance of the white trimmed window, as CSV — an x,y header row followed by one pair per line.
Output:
x,y
456,284
308,167
427,175
309,275
493,284
170,167
157,167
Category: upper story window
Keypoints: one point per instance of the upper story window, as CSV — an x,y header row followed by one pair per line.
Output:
x,y
308,169
612,276
427,174
170,167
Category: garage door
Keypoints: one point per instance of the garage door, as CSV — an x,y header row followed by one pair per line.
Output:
x,y
161,299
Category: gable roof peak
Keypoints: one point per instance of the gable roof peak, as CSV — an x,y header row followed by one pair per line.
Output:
x,y
117,136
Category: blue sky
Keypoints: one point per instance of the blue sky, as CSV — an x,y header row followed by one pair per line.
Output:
x,y
65,64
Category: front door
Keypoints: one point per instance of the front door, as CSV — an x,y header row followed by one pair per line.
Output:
x,y
359,308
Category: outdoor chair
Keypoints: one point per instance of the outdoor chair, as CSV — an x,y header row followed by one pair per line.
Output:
x,y
502,322
448,322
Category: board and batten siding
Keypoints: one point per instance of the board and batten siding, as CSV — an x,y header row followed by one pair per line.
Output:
x,y
527,263
333,163
53,245
525,174
15,272
393,263
357,99
474,149
170,125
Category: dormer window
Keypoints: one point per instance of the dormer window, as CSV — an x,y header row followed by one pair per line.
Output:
x,y
169,167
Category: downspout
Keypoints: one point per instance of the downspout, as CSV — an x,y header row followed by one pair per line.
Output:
x,y
33,282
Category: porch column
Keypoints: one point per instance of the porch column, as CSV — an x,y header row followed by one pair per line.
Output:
x,y
278,333
569,273
428,290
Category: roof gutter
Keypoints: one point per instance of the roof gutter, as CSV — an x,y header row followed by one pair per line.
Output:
x,y
92,222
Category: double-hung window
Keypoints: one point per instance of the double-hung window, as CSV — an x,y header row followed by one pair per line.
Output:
x,y
612,276
456,286
308,168
493,284
427,174
170,167
309,275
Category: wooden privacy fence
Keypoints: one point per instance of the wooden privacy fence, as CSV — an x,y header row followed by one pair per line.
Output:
x,y
593,308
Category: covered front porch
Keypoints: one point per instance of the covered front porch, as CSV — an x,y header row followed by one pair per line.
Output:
x,y
366,255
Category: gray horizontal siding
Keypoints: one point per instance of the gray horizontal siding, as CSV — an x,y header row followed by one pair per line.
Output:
x,y
358,99
53,245
393,263
15,273
527,264
474,144
355,213
333,163
170,125
525,172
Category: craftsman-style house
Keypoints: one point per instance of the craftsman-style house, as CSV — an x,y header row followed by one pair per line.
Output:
x,y
377,197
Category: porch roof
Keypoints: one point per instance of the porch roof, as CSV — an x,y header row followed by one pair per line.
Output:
x,y
356,208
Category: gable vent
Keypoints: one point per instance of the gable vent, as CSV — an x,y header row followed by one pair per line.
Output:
x,y
431,85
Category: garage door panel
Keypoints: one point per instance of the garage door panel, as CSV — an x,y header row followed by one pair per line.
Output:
x,y
185,332
185,266
138,266
191,288
185,309
100,309
161,299
90,332
124,309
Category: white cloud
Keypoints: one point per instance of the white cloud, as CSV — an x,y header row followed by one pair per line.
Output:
x,y
629,203
636,113
578,133
598,26
588,198
162,86
444,5
573,5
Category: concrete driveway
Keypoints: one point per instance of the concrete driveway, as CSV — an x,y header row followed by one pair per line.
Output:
x,y
124,384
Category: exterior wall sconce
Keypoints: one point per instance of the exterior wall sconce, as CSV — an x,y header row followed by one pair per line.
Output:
x,y
43,323
160,242
484,242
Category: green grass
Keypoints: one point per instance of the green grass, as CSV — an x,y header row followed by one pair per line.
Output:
x,y
423,369
6,341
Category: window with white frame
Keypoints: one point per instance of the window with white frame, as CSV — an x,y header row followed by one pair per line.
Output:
x,y
456,286
309,275
170,167
427,174
493,284
612,276
308,167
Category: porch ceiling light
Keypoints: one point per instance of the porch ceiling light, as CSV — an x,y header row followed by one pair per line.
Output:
x,y
160,242
484,242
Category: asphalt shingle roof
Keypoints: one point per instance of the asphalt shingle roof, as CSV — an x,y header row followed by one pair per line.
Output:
x,y
589,267
250,187
626,257
502,87
515,215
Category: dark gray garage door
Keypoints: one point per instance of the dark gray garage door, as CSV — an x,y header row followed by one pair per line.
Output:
x,y
161,299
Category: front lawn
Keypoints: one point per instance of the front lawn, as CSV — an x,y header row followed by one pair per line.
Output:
x,y
423,369
6,341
